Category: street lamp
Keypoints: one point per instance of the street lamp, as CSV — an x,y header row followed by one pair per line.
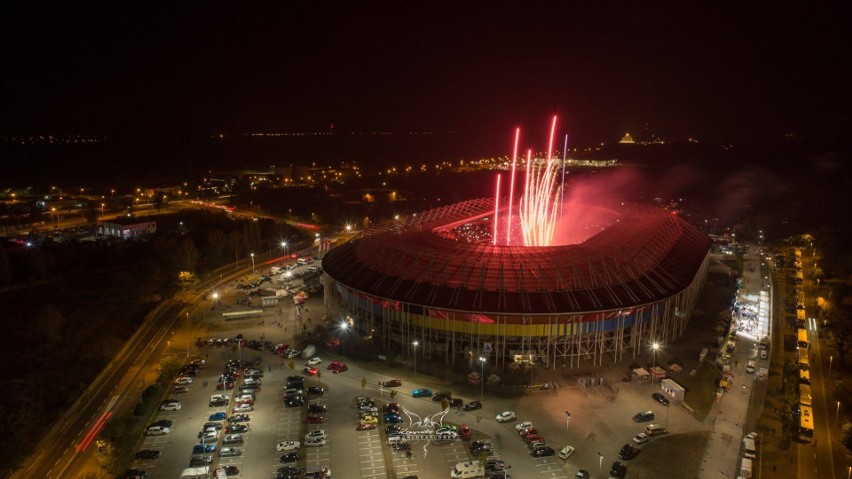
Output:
x,y
252,262
654,347
837,414
830,360
415,344
348,228
482,377
285,247
343,326
600,463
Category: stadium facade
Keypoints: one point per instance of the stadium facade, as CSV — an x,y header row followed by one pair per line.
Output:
x,y
620,278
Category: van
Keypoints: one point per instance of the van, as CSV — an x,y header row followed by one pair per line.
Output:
x,y
194,473
644,416
745,468
804,376
655,430
749,450
467,469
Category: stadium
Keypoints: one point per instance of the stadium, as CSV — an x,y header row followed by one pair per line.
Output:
x,y
439,285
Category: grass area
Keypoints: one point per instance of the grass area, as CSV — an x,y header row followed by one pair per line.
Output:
x,y
702,389
679,455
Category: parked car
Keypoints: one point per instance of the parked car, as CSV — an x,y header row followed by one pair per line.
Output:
x,y
618,470
314,419
314,361
289,457
473,405
566,452
505,416
317,408
315,390
628,452
232,439
217,416
365,426
170,406
157,431
641,438
311,371
314,434
229,452
441,396
522,426
295,401
147,454
544,451
392,383
203,448
660,398
644,416
236,428
288,446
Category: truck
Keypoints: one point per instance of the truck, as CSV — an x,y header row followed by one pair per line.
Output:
x,y
194,473
309,351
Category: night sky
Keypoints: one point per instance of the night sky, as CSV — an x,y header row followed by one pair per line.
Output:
x,y
719,73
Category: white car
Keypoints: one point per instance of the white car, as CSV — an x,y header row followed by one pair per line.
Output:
x,y
251,381
319,433
183,380
287,446
170,406
314,361
505,416
158,430
446,435
641,438
209,436
566,452
243,408
218,397
523,426
750,367
316,442
293,353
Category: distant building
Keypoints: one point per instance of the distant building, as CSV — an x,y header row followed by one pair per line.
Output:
x,y
129,228
627,139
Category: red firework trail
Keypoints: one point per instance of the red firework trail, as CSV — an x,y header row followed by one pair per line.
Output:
x,y
496,208
512,186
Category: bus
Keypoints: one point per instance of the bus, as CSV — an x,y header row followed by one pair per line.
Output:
x,y
806,424
803,338
805,395
804,362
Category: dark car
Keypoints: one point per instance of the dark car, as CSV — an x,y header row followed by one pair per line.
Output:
x,y
317,408
203,448
660,399
134,474
456,403
290,457
392,383
236,428
230,470
644,416
392,418
200,461
390,430
288,472
473,405
239,418
545,451
148,454
315,390
294,401
218,403
161,423
628,452
441,396
618,470
477,446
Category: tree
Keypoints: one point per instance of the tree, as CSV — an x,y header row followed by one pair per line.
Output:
x,y
187,255
445,403
235,241
216,244
363,385
159,200
50,323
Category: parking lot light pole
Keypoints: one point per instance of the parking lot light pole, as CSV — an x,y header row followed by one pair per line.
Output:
x,y
600,463
482,378
415,343
252,262
654,347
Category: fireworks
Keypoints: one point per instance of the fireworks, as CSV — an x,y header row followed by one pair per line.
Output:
x,y
540,201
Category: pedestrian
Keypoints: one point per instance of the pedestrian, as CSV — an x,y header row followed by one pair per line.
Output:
x,y
270,368
408,454
736,363
205,383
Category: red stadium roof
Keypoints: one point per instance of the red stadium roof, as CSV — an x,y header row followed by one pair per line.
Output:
x,y
648,255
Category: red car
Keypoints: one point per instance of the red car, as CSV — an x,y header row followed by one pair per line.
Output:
x,y
220,386
311,371
392,383
333,365
281,348
531,438
464,432
366,426
527,432
245,401
314,419
332,342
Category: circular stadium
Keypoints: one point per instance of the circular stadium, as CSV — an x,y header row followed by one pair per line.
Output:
x,y
613,280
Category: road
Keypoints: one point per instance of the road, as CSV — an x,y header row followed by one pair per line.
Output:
x,y
816,460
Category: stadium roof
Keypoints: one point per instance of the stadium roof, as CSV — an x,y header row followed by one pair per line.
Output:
x,y
648,255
